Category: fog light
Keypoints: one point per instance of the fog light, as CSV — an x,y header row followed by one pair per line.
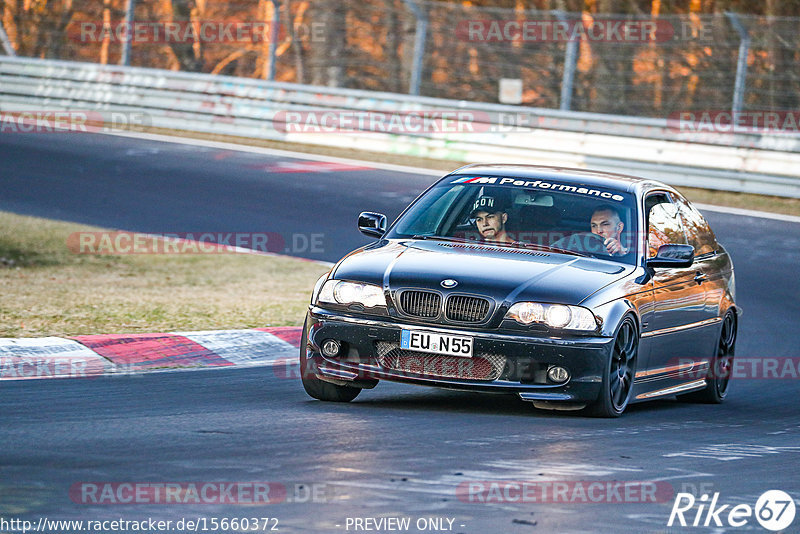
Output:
x,y
330,347
557,374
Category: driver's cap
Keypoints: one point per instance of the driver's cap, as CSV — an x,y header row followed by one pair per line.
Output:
x,y
487,204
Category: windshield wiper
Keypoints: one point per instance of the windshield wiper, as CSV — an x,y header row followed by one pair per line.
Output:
x,y
439,238
554,249
499,243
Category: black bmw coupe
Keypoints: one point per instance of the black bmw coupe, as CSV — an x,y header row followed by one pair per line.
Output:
x,y
570,288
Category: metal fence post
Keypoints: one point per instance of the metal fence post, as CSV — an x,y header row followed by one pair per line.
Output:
x,y
570,62
419,46
273,39
741,64
129,22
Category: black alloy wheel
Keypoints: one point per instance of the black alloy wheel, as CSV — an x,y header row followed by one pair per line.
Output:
x,y
719,374
619,372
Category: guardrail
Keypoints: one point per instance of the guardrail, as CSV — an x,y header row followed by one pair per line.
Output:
x,y
764,164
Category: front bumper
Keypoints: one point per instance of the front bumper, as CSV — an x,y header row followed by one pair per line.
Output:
x,y
521,359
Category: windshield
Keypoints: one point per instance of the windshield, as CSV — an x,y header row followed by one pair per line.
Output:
x,y
577,219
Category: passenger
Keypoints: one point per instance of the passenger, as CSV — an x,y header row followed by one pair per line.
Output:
x,y
607,223
490,218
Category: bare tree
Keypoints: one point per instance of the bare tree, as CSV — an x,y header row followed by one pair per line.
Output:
x,y
329,58
189,53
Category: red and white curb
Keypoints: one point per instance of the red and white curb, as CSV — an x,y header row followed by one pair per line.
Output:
x,y
97,355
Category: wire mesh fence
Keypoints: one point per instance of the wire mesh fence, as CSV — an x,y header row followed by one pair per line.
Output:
x,y
638,65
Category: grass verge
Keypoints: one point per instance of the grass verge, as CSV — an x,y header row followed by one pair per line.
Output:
x,y
48,290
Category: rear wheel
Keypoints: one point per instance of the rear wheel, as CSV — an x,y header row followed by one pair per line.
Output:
x,y
719,374
319,389
619,371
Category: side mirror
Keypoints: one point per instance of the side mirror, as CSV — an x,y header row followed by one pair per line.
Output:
x,y
372,224
673,256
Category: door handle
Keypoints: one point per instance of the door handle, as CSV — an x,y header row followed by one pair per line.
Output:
x,y
700,277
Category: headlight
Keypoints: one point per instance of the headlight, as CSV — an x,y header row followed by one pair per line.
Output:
x,y
553,315
340,292
558,316
527,312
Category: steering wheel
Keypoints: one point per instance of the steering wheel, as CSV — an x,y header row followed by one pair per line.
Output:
x,y
583,242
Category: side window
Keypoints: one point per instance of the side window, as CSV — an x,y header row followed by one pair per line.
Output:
x,y
698,232
664,224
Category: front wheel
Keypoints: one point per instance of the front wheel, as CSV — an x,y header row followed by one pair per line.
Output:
x,y
319,389
619,372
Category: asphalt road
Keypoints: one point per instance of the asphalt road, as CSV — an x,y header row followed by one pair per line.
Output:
x,y
156,187
396,451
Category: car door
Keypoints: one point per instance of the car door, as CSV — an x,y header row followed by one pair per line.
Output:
x,y
715,265
679,298
710,258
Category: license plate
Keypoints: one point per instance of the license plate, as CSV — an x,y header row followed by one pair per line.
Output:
x,y
436,343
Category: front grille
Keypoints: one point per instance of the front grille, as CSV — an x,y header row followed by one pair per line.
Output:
x,y
467,309
479,367
420,303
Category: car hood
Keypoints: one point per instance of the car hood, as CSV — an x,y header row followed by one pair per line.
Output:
x,y
502,273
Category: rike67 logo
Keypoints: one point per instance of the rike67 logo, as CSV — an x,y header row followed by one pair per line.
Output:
x,y
774,510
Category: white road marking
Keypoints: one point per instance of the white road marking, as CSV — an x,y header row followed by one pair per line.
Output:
x,y
277,152
389,167
726,452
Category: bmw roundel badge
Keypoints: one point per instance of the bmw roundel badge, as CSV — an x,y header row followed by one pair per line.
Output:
x,y
449,283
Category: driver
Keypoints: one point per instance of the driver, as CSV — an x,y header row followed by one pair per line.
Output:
x,y
490,218
607,223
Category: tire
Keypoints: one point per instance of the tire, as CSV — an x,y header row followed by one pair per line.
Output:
x,y
721,366
619,370
319,389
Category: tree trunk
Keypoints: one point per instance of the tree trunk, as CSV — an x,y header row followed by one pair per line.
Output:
x,y
394,39
329,57
297,45
189,53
